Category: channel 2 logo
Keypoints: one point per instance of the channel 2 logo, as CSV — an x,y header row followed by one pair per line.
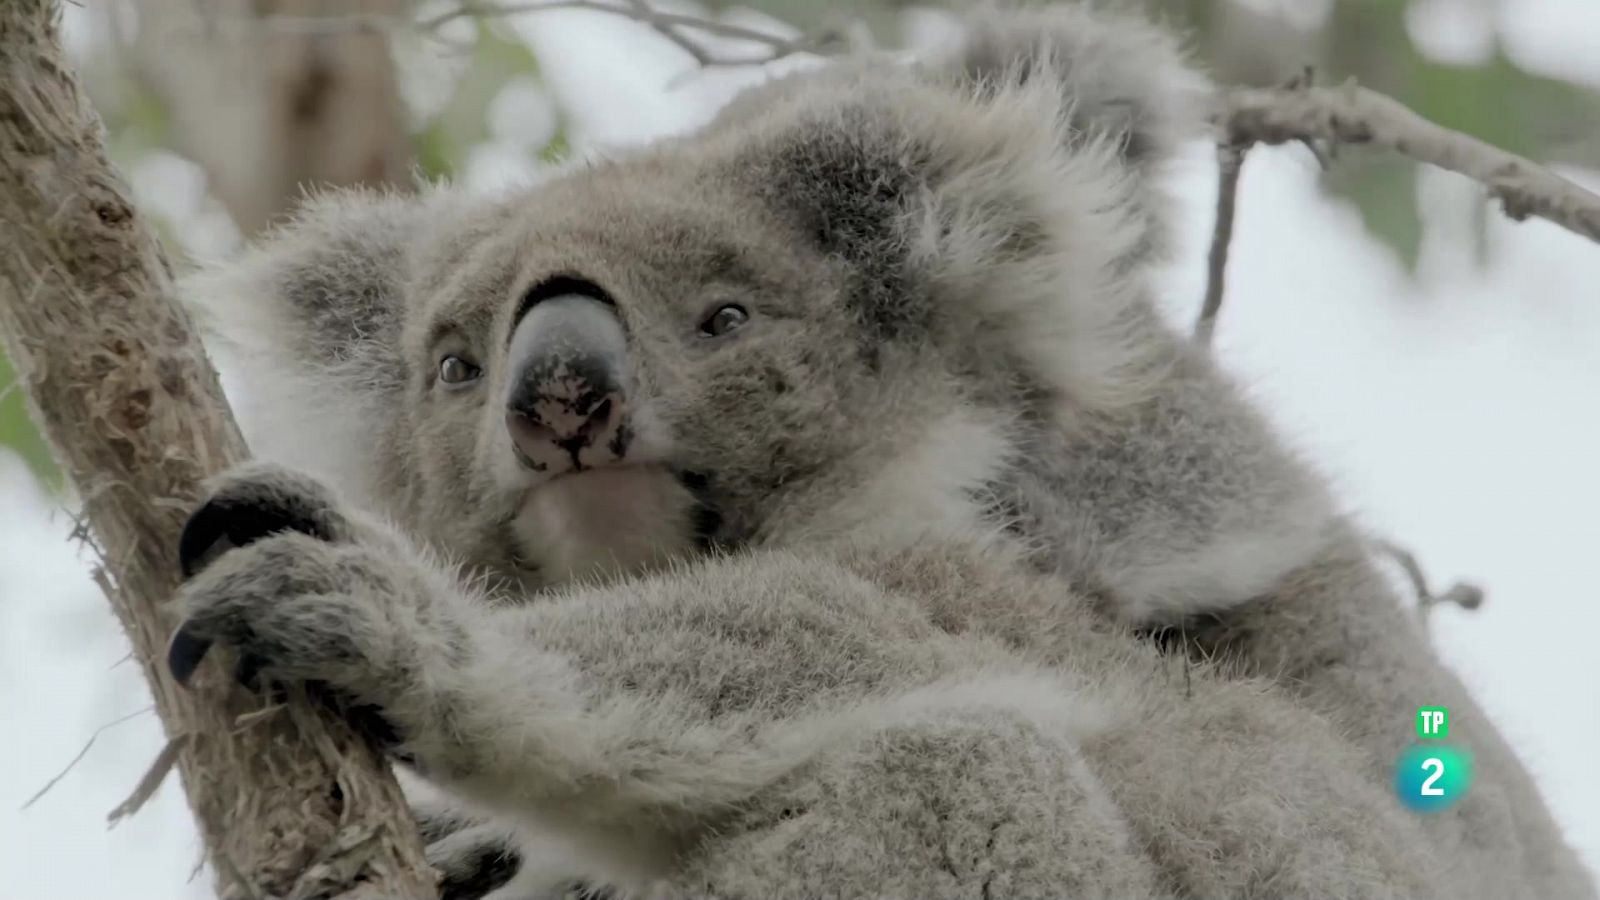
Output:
x,y
1432,776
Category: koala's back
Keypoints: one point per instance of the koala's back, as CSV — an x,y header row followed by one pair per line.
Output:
x,y
989,736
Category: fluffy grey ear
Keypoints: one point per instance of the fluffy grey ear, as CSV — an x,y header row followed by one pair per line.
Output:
x,y
321,291
973,217
1122,81
1010,188
305,328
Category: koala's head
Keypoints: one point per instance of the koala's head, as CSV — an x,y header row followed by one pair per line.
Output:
x,y
820,315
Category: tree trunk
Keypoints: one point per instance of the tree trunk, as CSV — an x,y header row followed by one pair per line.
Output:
x,y
290,802
267,103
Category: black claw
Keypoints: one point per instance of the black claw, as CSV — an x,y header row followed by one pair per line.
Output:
x,y
365,718
220,525
248,670
185,653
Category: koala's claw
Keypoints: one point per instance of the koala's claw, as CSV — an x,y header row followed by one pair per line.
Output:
x,y
185,652
223,524
252,503
279,575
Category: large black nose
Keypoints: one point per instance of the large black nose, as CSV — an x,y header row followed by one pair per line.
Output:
x,y
566,405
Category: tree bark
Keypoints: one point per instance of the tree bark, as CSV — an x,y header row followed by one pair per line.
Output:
x,y
290,802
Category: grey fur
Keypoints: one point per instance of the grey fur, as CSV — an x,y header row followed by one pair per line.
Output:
x,y
954,461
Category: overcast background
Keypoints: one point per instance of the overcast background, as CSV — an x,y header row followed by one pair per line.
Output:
x,y
1450,389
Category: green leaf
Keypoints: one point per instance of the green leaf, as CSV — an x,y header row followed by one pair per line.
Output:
x,y
435,152
497,57
1384,190
558,148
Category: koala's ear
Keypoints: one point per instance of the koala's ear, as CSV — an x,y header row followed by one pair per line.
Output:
x,y
1010,192
320,292
305,326
1121,81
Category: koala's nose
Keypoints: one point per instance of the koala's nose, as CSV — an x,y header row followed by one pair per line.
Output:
x,y
566,405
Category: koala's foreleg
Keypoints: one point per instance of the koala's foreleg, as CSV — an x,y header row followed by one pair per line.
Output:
x,y
940,798
465,692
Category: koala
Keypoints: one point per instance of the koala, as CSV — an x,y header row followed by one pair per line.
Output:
x,y
806,506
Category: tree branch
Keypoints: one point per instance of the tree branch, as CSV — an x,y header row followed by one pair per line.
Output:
x,y
1464,594
295,803
679,28
638,10
1230,164
1352,114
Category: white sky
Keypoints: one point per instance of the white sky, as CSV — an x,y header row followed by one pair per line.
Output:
x,y
1458,417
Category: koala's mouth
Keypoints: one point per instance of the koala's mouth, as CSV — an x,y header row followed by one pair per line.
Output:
x,y
609,490
613,519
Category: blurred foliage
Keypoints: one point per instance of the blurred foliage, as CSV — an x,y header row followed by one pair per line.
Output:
x,y
1542,118
497,57
135,124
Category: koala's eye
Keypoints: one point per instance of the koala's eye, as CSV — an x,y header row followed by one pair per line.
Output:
x,y
724,320
456,371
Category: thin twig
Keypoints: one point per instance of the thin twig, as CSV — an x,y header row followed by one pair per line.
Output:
x,y
316,26
674,27
668,24
84,752
151,782
641,8
1463,594
1408,564
1351,114
1230,163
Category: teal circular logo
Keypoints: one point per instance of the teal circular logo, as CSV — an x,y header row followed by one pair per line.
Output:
x,y
1432,777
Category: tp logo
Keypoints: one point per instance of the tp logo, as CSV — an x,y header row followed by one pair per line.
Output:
x,y
1431,777
1433,722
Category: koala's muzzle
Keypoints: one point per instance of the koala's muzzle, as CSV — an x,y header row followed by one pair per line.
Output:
x,y
566,402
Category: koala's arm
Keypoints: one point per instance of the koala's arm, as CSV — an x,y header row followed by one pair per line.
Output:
x,y
811,721
472,693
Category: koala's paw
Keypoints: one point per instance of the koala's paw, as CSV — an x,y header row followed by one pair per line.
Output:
x,y
252,502
473,861
276,574
484,861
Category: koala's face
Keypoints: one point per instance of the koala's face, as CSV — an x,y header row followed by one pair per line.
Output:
x,y
840,294
648,357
